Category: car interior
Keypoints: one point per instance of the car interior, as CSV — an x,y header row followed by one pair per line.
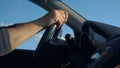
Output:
x,y
94,44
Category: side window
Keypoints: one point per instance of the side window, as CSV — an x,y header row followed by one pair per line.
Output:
x,y
20,11
32,43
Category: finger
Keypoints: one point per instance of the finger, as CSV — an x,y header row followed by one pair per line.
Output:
x,y
59,24
62,18
66,16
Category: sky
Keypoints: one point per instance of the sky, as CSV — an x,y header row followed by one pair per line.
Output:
x,y
20,11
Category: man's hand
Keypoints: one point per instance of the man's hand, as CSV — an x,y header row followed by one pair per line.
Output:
x,y
55,16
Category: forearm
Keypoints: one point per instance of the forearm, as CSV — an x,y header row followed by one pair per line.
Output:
x,y
22,32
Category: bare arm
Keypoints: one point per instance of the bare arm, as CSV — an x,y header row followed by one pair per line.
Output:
x,y
22,32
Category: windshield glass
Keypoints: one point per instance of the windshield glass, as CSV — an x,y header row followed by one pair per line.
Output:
x,y
105,11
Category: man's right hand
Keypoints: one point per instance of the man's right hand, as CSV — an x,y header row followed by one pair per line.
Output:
x,y
55,16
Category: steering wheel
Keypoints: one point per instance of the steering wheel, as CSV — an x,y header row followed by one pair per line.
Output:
x,y
48,34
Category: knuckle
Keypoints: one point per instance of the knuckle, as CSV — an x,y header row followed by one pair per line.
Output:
x,y
55,11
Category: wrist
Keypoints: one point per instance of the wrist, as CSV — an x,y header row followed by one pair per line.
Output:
x,y
40,22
